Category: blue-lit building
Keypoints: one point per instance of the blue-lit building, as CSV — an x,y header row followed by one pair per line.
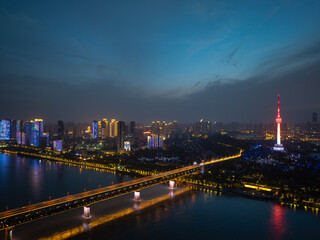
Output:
x,y
57,145
13,129
155,141
26,130
44,140
5,126
95,129
19,127
34,130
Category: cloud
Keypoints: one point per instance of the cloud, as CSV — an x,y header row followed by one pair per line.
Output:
x,y
249,100
196,84
289,58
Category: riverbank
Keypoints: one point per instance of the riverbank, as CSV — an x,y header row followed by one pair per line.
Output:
x,y
79,163
257,195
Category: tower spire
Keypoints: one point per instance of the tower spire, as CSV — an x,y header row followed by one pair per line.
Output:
x,y
278,106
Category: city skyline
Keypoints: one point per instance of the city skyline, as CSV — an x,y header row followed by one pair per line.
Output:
x,y
144,61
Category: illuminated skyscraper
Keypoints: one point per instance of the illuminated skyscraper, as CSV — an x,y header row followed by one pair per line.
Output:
x,y
57,145
155,141
278,146
39,122
13,129
104,128
19,127
26,129
99,128
34,130
5,129
113,132
95,129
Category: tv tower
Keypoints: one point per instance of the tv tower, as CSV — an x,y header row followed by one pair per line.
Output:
x,y
278,146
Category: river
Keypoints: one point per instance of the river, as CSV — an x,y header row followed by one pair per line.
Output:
x,y
190,215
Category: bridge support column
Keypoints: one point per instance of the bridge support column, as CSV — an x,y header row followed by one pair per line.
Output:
x,y
137,196
171,184
8,234
86,212
202,169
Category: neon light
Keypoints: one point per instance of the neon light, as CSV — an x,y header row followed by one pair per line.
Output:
x,y
5,129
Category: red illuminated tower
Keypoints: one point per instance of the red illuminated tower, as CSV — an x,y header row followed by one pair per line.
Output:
x,y
278,146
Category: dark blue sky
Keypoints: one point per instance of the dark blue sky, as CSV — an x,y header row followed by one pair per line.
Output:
x,y
160,60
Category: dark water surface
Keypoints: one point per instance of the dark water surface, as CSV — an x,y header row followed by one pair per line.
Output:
x,y
25,179
199,215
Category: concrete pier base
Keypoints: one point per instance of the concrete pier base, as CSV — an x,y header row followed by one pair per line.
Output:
x,y
8,234
86,212
137,196
171,184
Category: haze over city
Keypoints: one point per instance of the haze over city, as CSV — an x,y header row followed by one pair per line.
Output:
x,y
160,60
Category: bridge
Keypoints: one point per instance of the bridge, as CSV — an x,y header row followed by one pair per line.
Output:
x,y
14,217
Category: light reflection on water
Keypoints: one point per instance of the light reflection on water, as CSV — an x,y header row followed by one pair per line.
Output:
x,y
278,224
25,179
199,215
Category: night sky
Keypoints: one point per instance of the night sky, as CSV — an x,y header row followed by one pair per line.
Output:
x,y
160,60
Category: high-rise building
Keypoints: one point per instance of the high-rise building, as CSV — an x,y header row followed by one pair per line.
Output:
x,y
314,118
278,146
39,122
104,128
13,129
26,129
132,127
5,129
95,129
19,128
60,129
155,141
34,130
23,138
121,134
57,145
113,128
77,132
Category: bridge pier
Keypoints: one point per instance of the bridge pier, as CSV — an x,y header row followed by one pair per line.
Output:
x,y
86,212
8,234
171,184
202,170
137,196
